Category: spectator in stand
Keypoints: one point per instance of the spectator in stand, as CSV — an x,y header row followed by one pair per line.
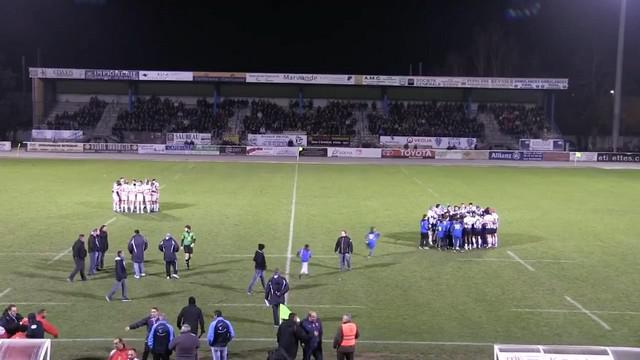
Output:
x,y
119,351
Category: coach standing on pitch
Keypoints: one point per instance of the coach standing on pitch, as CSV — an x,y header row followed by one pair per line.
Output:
x,y
277,287
170,247
344,249
103,237
137,246
345,340
192,316
79,254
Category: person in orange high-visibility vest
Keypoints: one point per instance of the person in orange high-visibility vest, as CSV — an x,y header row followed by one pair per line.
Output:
x,y
345,340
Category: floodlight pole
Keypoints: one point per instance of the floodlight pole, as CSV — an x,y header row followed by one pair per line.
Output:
x,y
617,94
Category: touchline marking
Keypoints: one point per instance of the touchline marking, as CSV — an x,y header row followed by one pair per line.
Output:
x,y
595,318
5,292
578,311
291,305
271,255
513,260
520,260
293,216
41,303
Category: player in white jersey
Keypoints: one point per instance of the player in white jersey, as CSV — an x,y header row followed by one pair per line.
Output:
x,y
115,196
124,193
146,191
488,223
131,195
139,198
155,195
468,231
432,217
495,223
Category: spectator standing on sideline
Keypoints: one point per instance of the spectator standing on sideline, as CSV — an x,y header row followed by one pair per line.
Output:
x,y
313,345
147,321
35,329
159,339
260,267
104,244
137,246
290,335
11,320
274,294
186,344
345,340
79,254
47,327
371,240
170,247
219,336
132,354
121,278
94,251
344,249
192,316
119,351
188,242
305,255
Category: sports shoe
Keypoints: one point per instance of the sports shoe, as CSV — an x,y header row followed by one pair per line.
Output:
x,y
249,292
175,276
126,299
143,274
136,276
108,298
168,277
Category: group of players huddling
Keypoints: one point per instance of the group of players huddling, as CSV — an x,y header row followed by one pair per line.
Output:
x,y
459,227
136,196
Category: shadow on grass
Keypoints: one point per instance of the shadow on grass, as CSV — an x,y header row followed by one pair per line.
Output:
x,y
253,321
307,286
159,294
405,238
74,293
218,287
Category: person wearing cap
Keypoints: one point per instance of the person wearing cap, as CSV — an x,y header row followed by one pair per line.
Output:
x,y
260,265
345,339
186,344
192,316
274,294
79,254
169,246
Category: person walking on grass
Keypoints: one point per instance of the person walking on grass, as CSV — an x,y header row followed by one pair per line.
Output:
x,y
121,278
371,240
344,249
170,247
188,242
305,255
192,316
94,251
79,254
137,246
277,288
219,336
345,339
260,266
186,344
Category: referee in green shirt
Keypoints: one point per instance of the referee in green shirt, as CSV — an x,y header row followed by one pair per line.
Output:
x,y
188,241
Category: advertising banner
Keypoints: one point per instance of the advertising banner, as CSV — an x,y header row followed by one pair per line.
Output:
x,y
315,152
188,138
233,150
475,155
555,156
428,142
448,155
54,147
55,73
583,156
276,140
409,153
381,80
542,145
218,76
354,152
110,147
516,155
56,134
166,75
619,157
5,145
271,151
151,149
487,82
300,78
101,74
331,140
192,149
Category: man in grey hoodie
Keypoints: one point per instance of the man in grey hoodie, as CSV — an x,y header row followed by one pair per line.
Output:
x,y
137,246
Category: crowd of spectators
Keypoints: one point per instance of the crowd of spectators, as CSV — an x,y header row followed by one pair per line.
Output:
x,y
519,120
158,115
336,118
84,118
425,119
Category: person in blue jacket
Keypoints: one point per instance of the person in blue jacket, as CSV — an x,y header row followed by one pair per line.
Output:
x,y
456,232
371,240
424,233
160,336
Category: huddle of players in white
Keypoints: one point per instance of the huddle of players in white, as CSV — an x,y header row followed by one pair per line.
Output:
x,y
136,196
464,226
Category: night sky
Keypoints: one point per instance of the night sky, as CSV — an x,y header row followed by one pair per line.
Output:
x,y
308,36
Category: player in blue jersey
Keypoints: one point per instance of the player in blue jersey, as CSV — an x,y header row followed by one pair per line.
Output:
x,y
371,240
424,233
456,232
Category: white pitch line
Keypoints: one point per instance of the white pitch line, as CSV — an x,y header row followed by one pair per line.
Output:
x,y
579,311
513,260
420,182
42,303
520,261
5,292
270,255
292,305
293,216
595,318
59,255
111,220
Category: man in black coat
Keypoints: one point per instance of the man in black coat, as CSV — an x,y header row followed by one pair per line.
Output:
x,y
169,246
94,251
290,334
103,241
147,321
277,288
260,266
344,249
11,320
79,254
121,278
192,316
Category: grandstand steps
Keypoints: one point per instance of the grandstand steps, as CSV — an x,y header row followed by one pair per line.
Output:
x,y
104,128
60,108
493,137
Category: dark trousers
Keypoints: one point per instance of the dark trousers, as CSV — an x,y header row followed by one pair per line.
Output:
x,y
145,354
168,265
79,268
344,355
100,261
276,314
424,240
308,353
160,356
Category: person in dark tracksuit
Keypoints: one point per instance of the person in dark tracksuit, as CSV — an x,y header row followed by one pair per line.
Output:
x,y
160,336
260,267
344,249
79,254
169,246
103,236
290,335
137,246
147,321
94,251
274,295
121,278
313,346
424,233
192,316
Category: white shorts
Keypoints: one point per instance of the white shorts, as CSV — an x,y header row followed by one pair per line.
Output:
x,y
154,197
139,198
115,197
305,268
131,197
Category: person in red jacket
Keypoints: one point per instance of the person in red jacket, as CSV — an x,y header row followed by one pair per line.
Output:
x,y
119,351
46,325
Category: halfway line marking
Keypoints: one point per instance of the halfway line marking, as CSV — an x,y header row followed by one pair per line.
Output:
x,y
290,305
520,260
111,220
578,311
513,260
595,318
59,255
5,292
293,216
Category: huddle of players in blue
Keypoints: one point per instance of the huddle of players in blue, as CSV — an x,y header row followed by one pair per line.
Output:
x,y
459,227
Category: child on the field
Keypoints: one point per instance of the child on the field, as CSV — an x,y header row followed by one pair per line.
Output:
x,y
305,255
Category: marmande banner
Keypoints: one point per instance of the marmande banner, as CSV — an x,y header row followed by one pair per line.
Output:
x,y
316,152
110,147
619,157
102,74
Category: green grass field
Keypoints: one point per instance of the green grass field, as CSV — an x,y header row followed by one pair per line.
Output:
x,y
443,305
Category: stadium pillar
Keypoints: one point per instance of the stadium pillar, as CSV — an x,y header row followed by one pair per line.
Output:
x,y
617,95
